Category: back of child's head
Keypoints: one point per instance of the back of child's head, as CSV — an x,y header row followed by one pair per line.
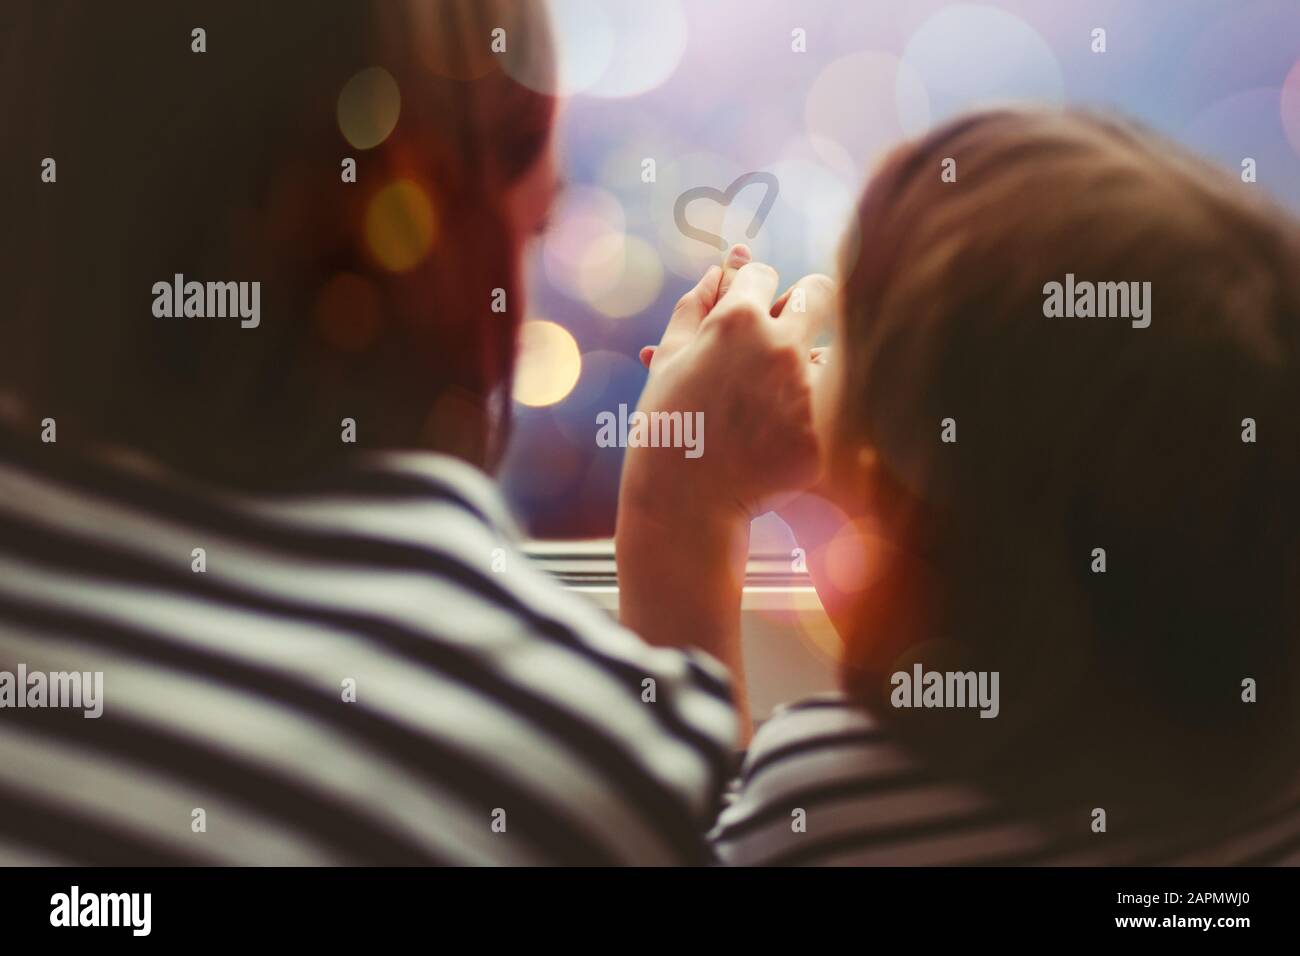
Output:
x,y
1074,348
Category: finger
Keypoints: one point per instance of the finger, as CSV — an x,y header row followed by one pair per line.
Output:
x,y
737,256
809,304
780,302
818,290
695,304
755,283
647,355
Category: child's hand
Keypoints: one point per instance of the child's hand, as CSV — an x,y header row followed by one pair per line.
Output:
x,y
742,363
819,295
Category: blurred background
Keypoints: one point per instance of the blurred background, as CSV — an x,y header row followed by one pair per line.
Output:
x,y
711,89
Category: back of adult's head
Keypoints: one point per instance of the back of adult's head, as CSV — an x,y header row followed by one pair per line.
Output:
x,y
211,141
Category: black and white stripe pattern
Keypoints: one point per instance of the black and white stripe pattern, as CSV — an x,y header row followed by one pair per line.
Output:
x,y
866,801
476,689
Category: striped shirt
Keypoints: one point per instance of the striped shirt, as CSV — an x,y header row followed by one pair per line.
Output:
x,y
824,784
365,671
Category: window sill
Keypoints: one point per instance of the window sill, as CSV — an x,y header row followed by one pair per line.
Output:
x,y
790,648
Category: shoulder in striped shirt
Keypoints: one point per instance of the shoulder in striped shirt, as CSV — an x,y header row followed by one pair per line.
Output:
x,y
824,783
364,671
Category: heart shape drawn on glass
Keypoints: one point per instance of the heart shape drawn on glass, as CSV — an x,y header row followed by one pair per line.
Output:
x,y
724,197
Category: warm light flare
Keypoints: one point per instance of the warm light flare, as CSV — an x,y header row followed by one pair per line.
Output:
x,y
549,364
400,225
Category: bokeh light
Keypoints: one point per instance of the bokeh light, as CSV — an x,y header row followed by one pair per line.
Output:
x,y
583,36
791,605
1290,107
368,107
621,168
608,48
823,202
586,218
400,225
620,275
887,103
649,39
970,56
847,559
548,366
